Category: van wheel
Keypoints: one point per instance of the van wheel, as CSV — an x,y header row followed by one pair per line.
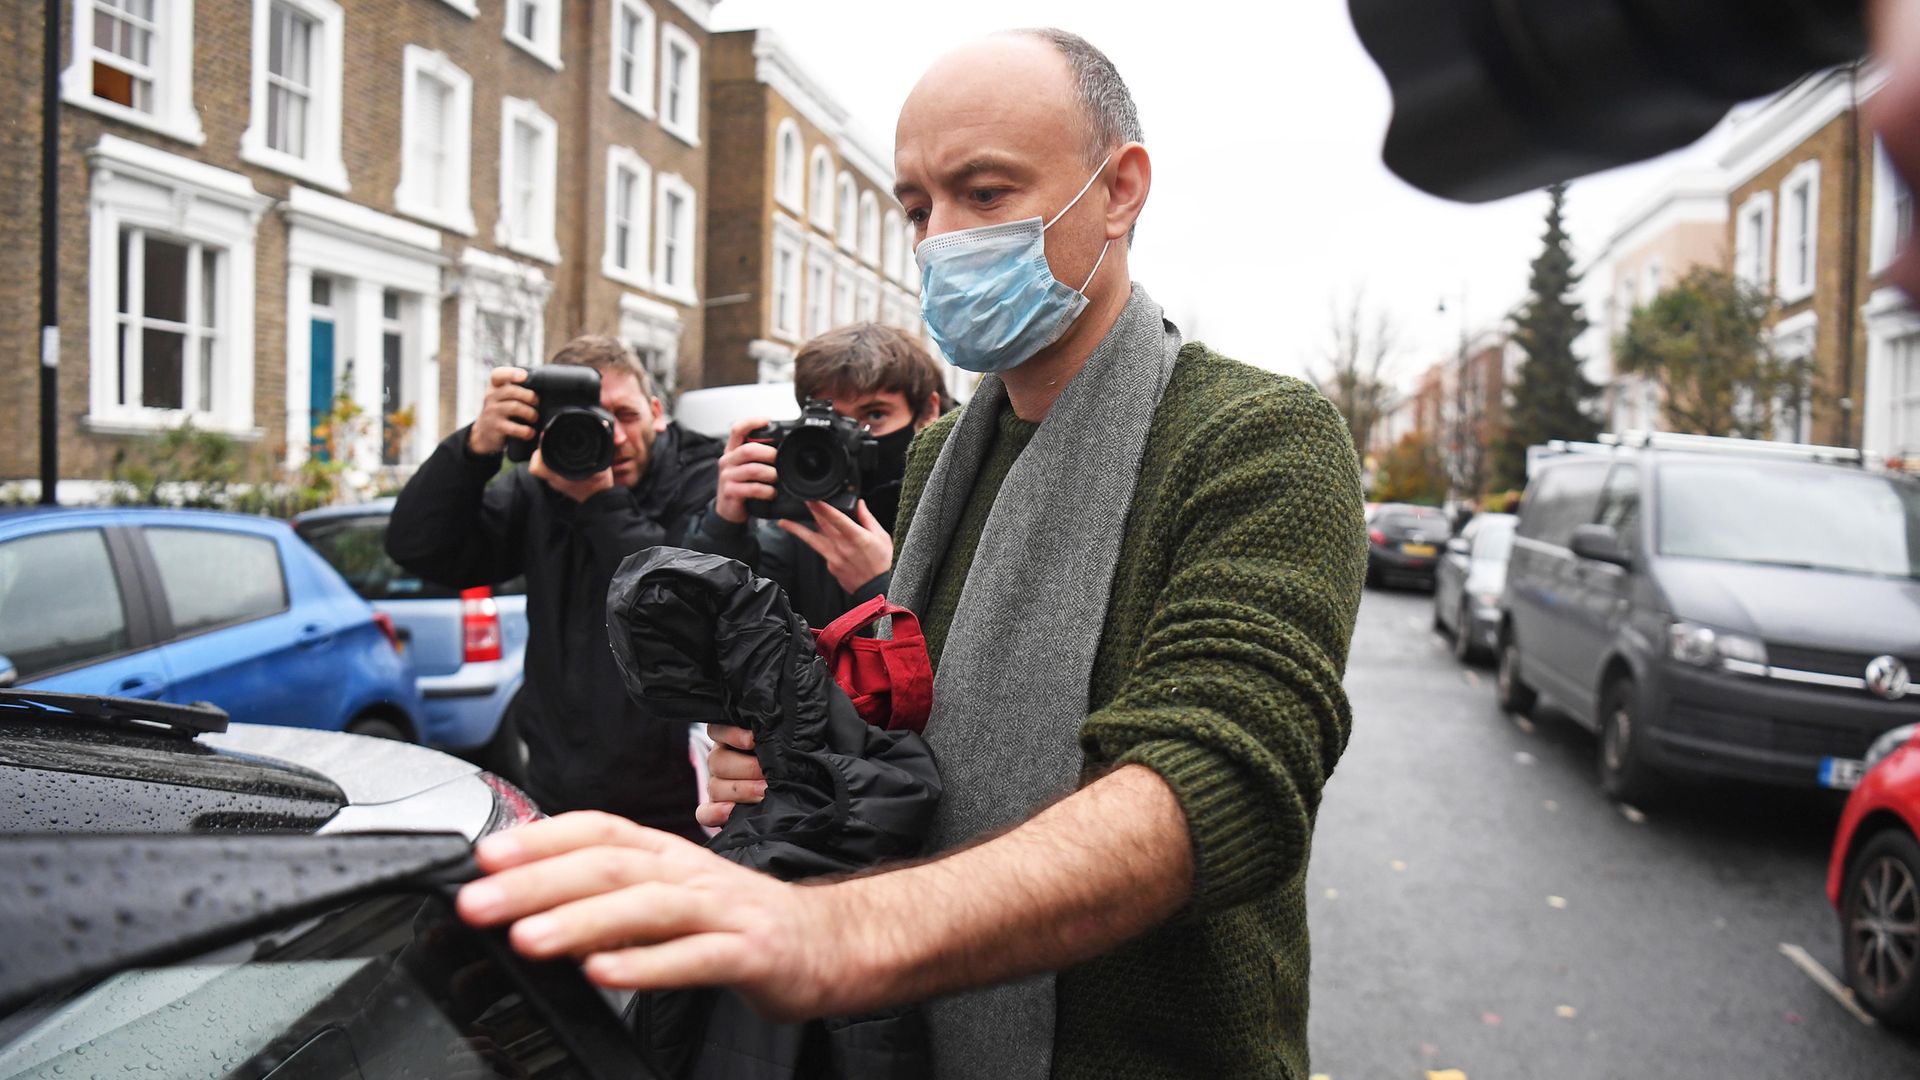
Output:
x,y
1880,918
1515,696
1625,775
379,727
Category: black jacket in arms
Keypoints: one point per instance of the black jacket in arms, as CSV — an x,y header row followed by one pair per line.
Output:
x,y
780,557
462,522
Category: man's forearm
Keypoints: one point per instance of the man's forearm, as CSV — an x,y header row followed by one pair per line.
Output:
x,y
1084,875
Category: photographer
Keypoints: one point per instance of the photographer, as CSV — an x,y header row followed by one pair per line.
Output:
x,y
462,522
874,375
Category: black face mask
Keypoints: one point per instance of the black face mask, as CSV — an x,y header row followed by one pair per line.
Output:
x,y
882,489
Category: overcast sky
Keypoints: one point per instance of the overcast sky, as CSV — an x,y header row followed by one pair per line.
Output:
x,y
1269,200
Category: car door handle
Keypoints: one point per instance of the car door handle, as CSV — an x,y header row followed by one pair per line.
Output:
x,y
313,635
139,686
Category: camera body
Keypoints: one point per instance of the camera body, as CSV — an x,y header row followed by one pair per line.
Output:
x,y
574,434
820,458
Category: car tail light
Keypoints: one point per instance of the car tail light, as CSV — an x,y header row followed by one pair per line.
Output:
x,y
385,622
479,624
1377,536
511,806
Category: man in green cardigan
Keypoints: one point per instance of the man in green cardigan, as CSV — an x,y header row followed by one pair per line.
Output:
x,y
1138,563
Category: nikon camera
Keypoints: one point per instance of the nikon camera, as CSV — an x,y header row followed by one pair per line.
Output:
x,y
574,434
820,458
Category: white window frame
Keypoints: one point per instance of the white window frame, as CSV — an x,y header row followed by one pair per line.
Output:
x,y
682,291
322,165
819,277
893,235
452,207
464,7
686,128
536,239
545,48
846,198
790,167
820,188
866,304
1754,267
494,285
173,113
1792,283
1649,281
870,228
135,186
846,290
640,100
637,272
784,307
1903,398
1886,186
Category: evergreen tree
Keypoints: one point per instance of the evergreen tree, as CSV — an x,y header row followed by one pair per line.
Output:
x,y
1551,392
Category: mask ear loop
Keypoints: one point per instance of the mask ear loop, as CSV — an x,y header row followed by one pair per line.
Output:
x,y
1084,188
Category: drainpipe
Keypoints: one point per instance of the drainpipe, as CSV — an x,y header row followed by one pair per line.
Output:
x,y
50,260
1850,258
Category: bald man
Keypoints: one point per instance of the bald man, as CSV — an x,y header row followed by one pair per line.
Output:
x,y
1138,564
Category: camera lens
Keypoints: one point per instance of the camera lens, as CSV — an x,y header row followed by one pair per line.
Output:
x,y
576,444
812,465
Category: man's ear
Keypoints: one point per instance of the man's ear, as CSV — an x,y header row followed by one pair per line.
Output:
x,y
929,415
1127,192
659,416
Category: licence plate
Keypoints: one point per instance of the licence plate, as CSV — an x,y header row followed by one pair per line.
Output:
x,y
1841,773
1425,551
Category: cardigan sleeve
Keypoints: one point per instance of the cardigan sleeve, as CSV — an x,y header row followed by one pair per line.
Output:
x,y
1234,695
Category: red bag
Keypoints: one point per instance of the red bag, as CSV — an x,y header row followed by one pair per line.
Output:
x,y
890,682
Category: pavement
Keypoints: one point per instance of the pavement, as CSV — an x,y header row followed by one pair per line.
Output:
x,y
1480,911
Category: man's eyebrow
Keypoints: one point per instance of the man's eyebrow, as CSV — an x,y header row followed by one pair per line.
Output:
x,y
966,171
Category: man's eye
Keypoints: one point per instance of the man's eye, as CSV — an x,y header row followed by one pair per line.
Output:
x,y
874,416
982,196
917,216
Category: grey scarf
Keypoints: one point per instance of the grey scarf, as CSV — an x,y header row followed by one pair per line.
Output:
x,y
1011,690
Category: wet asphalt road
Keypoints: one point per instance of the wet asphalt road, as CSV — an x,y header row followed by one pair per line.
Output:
x,y
1476,903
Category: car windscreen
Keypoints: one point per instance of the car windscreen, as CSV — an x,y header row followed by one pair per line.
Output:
x,y
356,546
1823,519
390,987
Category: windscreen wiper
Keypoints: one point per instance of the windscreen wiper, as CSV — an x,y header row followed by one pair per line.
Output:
x,y
199,718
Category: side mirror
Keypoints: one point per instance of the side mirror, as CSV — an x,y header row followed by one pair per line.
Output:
x,y
8,674
1601,544
1457,546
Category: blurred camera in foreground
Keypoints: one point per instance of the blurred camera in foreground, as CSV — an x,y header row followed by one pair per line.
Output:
x,y
574,434
819,457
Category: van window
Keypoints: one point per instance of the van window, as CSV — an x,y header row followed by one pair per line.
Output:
x,y
1819,518
1620,506
1561,498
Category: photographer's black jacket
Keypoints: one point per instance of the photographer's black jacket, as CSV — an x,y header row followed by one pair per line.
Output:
x,y
781,557
461,522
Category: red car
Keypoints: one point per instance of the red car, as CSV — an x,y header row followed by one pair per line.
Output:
x,y
1873,880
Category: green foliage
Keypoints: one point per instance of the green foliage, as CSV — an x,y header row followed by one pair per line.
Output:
x,y
1411,472
1550,394
1704,341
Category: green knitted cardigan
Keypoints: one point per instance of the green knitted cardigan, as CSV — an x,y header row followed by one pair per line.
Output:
x,y
1219,668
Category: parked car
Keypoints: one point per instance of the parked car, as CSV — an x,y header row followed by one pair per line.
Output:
x,y
1716,607
191,902
1403,543
468,645
1873,881
192,605
1467,583
714,410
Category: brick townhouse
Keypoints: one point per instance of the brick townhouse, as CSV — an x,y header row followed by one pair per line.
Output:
x,y
805,234
1814,215
264,203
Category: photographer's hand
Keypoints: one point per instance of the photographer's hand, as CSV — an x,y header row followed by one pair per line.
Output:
x,y
746,472
733,775
509,411
577,490
857,549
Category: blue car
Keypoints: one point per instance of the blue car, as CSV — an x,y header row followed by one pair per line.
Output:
x,y
193,605
467,645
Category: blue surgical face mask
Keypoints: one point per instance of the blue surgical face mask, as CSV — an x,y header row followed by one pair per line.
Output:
x,y
989,297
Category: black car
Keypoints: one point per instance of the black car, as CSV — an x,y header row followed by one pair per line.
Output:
x,y
1716,607
1404,543
180,908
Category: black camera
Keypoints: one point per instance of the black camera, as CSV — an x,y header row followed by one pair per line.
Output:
x,y
574,434
820,458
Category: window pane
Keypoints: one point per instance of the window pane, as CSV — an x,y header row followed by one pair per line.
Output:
x,y
112,84
389,304
207,346
357,548
212,578
165,284
322,291
161,356
209,287
392,396
126,268
59,602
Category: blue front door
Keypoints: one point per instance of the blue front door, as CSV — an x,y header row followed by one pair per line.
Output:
x,y
321,393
